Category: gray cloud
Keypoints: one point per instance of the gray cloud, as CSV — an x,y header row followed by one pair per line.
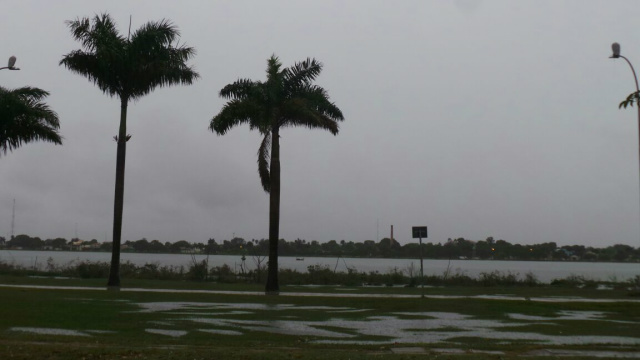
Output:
x,y
493,118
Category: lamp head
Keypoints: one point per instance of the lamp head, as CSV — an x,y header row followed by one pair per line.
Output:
x,y
616,50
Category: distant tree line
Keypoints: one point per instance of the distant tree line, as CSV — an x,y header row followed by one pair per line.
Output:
x,y
459,248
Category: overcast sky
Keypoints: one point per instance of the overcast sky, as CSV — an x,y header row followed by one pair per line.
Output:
x,y
475,118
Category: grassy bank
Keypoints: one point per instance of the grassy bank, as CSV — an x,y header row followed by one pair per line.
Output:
x,y
315,275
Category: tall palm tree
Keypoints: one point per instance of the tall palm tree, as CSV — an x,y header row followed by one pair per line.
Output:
x,y
287,98
129,68
24,118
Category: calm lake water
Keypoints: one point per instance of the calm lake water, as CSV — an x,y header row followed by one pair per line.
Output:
x,y
544,270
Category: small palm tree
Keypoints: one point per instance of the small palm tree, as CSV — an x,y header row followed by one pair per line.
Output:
x,y
25,118
129,68
286,99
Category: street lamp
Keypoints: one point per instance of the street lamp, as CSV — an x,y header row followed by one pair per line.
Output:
x,y
616,54
11,64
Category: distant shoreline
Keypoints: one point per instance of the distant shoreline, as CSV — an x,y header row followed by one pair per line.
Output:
x,y
240,254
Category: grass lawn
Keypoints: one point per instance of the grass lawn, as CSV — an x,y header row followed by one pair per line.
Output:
x,y
97,324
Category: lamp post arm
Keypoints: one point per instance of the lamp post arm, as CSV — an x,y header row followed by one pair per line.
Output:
x,y
635,77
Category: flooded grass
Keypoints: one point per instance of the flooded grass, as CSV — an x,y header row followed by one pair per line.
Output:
x,y
314,325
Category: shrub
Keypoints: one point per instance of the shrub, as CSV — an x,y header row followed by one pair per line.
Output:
x,y
198,271
89,270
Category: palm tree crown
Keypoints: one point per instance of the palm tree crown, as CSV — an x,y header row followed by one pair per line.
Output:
x,y
24,118
287,99
129,67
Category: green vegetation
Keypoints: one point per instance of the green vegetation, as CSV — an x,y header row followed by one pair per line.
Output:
x,y
129,68
288,98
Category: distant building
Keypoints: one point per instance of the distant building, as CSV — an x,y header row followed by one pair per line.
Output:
x,y
76,244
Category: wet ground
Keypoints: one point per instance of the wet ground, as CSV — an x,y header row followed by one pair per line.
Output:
x,y
555,299
345,325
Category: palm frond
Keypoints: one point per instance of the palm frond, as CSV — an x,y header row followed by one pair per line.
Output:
x,y
633,97
97,70
273,66
101,35
25,118
298,112
240,89
264,153
236,112
167,68
161,32
302,73
319,100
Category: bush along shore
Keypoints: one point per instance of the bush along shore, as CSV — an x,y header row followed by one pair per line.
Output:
x,y
200,271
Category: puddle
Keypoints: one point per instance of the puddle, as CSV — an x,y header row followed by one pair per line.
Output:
x,y
598,354
221,332
50,331
427,329
236,308
604,287
100,331
570,315
235,312
436,315
448,351
563,315
172,333
284,327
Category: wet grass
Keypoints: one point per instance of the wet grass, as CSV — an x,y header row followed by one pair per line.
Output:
x,y
620,291
119,312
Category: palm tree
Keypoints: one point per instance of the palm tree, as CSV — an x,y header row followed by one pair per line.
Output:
x,y
129,68
286,99
25,118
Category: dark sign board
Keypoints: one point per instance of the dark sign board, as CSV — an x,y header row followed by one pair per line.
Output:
x,y
419,232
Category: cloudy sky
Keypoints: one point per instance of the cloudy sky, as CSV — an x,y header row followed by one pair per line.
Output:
x,y
476,118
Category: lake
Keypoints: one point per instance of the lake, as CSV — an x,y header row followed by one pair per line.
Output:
x,y
545,271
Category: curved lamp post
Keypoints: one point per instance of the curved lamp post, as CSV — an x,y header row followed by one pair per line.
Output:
x,y
11,64
616,54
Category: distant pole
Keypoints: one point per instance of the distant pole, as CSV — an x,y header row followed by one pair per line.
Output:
x,y
420,232
616,54
421,269
13,219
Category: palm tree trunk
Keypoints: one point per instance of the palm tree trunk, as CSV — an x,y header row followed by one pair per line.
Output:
x,y
272,287
118,203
